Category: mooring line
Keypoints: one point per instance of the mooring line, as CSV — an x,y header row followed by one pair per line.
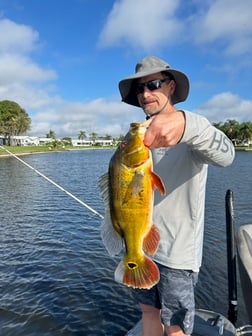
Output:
x,y
52,182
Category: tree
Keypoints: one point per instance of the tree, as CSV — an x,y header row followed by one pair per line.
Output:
x,y
108,137
82,136
238,133
121,137
231,128
51,134
67,141
246,131
14,120
93,137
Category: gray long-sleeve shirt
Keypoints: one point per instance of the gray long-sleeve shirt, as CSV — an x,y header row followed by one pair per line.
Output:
x,y
179,215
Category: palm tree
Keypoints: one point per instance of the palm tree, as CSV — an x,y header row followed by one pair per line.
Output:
x,y
93,137
82,136
51,134
231,129
246,131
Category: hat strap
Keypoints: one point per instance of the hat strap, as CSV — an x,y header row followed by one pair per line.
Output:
x,y
148,116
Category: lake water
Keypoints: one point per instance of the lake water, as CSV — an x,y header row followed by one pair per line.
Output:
x,y
56,278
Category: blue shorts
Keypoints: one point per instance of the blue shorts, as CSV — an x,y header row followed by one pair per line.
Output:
x,y
174,295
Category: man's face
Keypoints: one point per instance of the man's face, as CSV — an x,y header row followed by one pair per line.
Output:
x,y
153,95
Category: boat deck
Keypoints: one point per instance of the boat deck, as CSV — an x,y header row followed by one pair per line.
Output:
x,y
207,323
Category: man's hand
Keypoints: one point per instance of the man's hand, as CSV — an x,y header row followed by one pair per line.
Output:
x,y
164,130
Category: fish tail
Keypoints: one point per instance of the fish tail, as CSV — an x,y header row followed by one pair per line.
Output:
x,y
140,273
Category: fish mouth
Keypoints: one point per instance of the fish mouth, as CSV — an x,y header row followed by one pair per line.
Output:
x,y
138,127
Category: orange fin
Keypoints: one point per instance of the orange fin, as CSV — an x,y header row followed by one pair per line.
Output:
x,y
142,273
158,183
151,240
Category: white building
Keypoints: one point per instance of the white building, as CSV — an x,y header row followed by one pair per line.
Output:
x,y
26,140
80,142
102,142
99,142
44,141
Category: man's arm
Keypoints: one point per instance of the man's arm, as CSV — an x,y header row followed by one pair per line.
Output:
x,y
209,144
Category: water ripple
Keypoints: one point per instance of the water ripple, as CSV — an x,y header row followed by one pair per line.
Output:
x,y
56,277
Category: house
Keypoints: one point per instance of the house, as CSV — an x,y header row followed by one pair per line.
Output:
x,y
80,142
102,142
97,142
44,141
24,140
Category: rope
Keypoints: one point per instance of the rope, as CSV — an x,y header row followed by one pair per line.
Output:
x,y
52,182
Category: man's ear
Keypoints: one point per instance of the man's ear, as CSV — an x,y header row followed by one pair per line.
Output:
x,y
172,86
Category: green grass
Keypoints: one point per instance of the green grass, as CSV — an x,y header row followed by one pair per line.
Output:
x,y
29,149
242,148
37,149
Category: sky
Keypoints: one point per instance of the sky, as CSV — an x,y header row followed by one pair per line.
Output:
x,y
62,60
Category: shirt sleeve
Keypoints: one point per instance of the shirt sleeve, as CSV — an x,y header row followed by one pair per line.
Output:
x,y
209,144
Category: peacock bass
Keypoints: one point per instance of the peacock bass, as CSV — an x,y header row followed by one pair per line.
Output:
x,y
127,191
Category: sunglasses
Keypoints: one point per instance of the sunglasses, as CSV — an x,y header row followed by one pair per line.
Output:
x,y
151,85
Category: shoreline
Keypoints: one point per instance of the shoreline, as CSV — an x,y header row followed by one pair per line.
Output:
x,y
4,154
27,153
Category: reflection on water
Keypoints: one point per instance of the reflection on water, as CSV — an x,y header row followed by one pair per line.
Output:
x,y
55,275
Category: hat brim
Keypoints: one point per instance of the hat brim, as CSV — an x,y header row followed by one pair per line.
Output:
x,y
180,94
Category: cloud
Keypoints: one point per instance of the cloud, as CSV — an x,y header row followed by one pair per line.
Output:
x,y
142,24
226,106
227,22
17,41
17,38
146,24
22,80
19,68
31,85
102,116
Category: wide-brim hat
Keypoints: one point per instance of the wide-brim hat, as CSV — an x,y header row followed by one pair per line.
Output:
x,y
150,65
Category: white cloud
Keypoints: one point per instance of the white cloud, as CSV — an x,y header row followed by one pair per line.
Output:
x,y
102,116
21,79
17,41
147,24
142,23
226,21
19,68
226,106
27,83
17,38
27,96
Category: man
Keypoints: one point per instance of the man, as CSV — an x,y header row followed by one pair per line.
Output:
x,y
183,144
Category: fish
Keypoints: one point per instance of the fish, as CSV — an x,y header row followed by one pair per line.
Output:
x,y
127,190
